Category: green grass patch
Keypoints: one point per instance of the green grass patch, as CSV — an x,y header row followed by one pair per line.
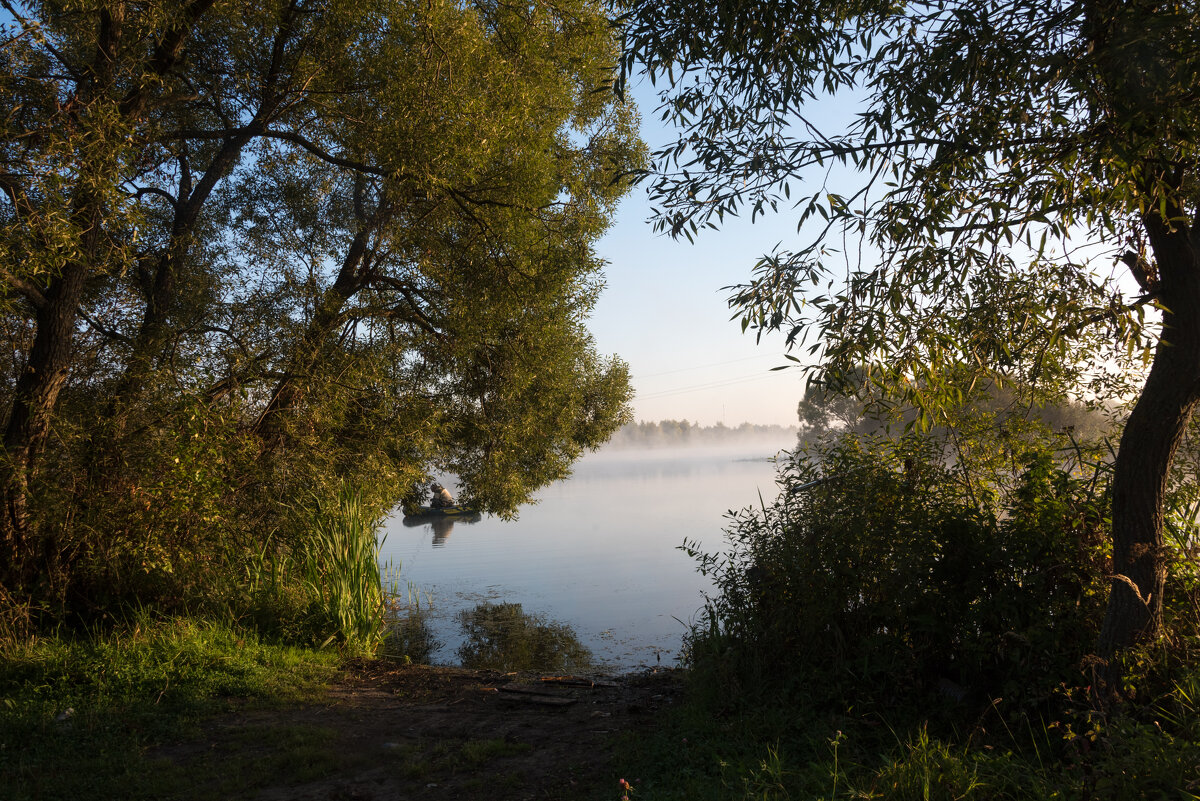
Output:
x,y
713,748
80,716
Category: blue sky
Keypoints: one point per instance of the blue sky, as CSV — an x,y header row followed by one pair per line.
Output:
x,y
665,313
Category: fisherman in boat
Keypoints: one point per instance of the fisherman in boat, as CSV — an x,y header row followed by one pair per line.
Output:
x,y
441,497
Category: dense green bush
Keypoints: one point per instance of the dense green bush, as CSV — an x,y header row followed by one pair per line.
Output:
x,y
915,619
878,575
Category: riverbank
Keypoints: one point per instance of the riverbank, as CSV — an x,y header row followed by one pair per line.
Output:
x,y
386,731
201,711
240,719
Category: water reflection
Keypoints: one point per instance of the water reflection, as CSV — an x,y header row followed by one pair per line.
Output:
x,y
440,525
599,551
505,637
409,638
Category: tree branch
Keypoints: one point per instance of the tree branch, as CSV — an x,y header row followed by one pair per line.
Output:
x,y
286,136
75,74
27,289
165,56
108,332
1110,314
421,317
153,190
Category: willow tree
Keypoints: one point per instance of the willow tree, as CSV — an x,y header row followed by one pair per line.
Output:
x,y
252,249
1000,159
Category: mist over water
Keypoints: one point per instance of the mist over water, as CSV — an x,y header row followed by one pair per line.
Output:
x,y
599,552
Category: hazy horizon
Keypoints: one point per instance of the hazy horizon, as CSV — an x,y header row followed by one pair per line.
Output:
x,y
670,433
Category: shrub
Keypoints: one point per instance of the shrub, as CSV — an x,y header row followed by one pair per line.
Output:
x,y
327,586
878,575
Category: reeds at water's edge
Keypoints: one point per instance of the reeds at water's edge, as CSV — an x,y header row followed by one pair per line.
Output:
x,y
341,569
334,568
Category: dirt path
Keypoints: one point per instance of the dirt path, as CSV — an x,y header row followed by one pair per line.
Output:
x,y
416,732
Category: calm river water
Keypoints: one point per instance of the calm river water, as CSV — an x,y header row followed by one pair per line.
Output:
x,y
598,552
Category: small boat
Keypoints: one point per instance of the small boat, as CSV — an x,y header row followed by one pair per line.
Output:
x,y
423,513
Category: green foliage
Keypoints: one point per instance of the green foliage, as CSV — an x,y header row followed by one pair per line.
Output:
x,y
504,637
966,217
878,570
910,620
853,403
80,713
341,572
710,745
178,662
321,581
1182,535
250,254
929,771
169,525
990,140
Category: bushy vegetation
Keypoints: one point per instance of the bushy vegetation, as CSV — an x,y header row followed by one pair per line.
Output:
x,y
226,299
931,627
903,623
878,569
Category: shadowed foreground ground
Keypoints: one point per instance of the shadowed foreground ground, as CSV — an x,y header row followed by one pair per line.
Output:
x,y
416,732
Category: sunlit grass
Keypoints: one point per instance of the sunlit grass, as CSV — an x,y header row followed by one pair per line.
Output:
x,y
340,568
327,586
79,713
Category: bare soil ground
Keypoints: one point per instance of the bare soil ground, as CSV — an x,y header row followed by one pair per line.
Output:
x,y
416,732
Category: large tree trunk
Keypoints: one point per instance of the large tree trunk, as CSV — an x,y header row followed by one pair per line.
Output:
x,y
45,372
1153,433
29,421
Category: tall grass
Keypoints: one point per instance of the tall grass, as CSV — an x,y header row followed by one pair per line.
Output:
x,y
324,583
340,570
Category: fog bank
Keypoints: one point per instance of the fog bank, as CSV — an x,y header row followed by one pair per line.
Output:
x,y
683,434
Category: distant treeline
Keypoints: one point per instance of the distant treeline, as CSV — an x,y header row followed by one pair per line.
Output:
x,y
681,432
822,411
